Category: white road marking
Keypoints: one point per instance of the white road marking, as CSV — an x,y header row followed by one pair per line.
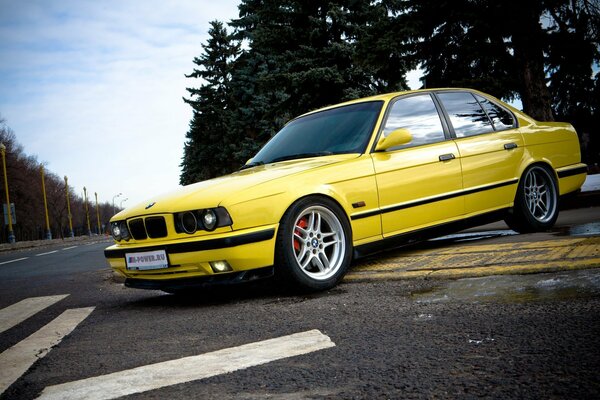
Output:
x,y
19,312
45,254
154,376
69,248
16,360
15,260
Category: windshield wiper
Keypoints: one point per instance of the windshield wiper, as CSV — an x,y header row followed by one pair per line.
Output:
x,y
252,165
302,155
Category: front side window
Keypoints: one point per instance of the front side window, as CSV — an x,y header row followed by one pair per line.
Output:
x,y
340,130
466,115
419,115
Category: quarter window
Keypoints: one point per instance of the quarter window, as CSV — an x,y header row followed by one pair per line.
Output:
x,y
466,115
501,118
419,115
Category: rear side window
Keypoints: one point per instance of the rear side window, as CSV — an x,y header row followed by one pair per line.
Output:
x,y
501,118
419,115
466,115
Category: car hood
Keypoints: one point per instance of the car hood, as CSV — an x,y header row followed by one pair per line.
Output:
x,y
212,192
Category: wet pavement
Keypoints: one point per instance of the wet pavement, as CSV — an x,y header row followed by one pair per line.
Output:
x,y
590,229
516,289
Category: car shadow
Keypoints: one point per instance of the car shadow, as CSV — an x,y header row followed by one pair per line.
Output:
x,y
266,291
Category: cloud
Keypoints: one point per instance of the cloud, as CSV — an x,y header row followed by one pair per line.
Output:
x,y
95,88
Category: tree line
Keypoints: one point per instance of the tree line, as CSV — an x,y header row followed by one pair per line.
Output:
x,y
25,192
282,58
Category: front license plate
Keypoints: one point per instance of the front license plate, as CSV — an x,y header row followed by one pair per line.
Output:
x,y
156,259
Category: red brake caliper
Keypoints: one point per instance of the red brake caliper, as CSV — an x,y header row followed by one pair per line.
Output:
x,y
301,224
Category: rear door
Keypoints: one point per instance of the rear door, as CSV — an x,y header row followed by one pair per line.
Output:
x,y
491,149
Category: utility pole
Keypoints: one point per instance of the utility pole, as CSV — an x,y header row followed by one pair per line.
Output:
x,y
71,234
87,212
11,235
98,215
48,232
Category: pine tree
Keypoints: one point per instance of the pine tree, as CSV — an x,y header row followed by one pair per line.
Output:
x,y
510,49
305,51
305,55
457,45
211,143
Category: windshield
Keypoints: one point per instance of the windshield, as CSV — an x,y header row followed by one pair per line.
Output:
x,y
345,129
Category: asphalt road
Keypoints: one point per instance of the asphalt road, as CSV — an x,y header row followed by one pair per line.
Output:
x,y
517,336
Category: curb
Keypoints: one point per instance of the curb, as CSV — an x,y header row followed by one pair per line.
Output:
x,y
475,272
483,260
32,244
580,200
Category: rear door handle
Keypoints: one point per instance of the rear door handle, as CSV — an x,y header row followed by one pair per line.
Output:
x,y
447,157
510,146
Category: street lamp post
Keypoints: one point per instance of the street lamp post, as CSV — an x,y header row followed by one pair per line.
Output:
x,y
48,231
71,234
87,211
114,197
123,201
11,235
98,214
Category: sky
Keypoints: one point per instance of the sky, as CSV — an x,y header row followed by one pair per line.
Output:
x,y
94,89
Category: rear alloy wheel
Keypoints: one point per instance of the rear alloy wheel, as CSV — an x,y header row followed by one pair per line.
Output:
x,y
314,247
536,202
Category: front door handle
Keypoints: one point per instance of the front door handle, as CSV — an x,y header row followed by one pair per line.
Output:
x,y
510,146
447,157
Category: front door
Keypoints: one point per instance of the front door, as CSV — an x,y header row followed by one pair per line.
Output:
x,y
420,183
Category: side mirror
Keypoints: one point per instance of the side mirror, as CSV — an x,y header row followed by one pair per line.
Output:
x,y
395,138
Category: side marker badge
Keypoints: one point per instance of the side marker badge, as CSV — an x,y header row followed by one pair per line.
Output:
x,y
359,204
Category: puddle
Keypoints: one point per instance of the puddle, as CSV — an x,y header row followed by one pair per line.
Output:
x,y
592,228
516,288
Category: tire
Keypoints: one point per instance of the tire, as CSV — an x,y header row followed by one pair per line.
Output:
x,y
536,201
314,245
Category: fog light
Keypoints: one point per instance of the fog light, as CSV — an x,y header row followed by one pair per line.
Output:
x,y
220,266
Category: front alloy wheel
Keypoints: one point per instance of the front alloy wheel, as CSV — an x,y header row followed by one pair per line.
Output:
x,y
313,244
536,202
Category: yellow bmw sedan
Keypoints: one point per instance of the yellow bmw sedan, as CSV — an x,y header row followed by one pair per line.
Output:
x,y
347,180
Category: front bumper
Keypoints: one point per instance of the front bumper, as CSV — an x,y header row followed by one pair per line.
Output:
x,y
243,250
184,284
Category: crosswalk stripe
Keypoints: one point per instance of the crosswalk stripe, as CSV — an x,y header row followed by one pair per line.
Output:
x,y
16,360
188,369
19,312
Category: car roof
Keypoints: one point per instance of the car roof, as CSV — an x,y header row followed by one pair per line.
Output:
x,y
385,97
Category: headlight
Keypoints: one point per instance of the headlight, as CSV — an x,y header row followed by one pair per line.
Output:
x,y
188,222
208,219
124,231
119,230
116,230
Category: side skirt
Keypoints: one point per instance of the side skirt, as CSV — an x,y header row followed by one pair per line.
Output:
x,y
419,235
